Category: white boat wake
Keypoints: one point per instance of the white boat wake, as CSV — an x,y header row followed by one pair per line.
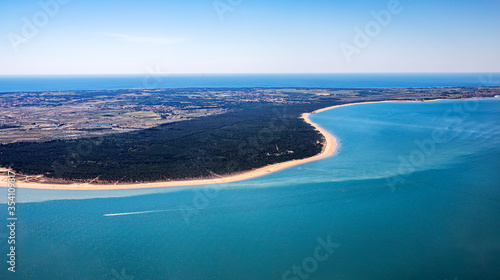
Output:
x,y
138,213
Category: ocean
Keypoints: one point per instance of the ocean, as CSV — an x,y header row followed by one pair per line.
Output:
x,y
158,80
412,193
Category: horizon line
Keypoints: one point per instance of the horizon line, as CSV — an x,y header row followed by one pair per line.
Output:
x,y
284,73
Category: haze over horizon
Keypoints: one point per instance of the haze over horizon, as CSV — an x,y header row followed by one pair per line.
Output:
x,y
238,36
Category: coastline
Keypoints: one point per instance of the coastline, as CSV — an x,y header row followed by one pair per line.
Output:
x,y
329,148
372,102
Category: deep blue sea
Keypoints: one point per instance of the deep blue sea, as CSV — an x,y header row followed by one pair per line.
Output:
x,y
412,193
152,80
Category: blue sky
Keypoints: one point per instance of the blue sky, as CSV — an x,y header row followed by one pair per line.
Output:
x,y
248,36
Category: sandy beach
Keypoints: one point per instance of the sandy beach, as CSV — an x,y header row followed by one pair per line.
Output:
x,y
329,148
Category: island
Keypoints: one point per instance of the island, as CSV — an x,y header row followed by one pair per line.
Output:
x,y
141,138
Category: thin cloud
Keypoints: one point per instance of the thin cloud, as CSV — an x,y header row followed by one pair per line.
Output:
x,y
144,39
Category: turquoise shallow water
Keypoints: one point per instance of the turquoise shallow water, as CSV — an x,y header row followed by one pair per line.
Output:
x,y
413,193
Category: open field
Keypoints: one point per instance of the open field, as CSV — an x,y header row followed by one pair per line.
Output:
x,y
45,116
